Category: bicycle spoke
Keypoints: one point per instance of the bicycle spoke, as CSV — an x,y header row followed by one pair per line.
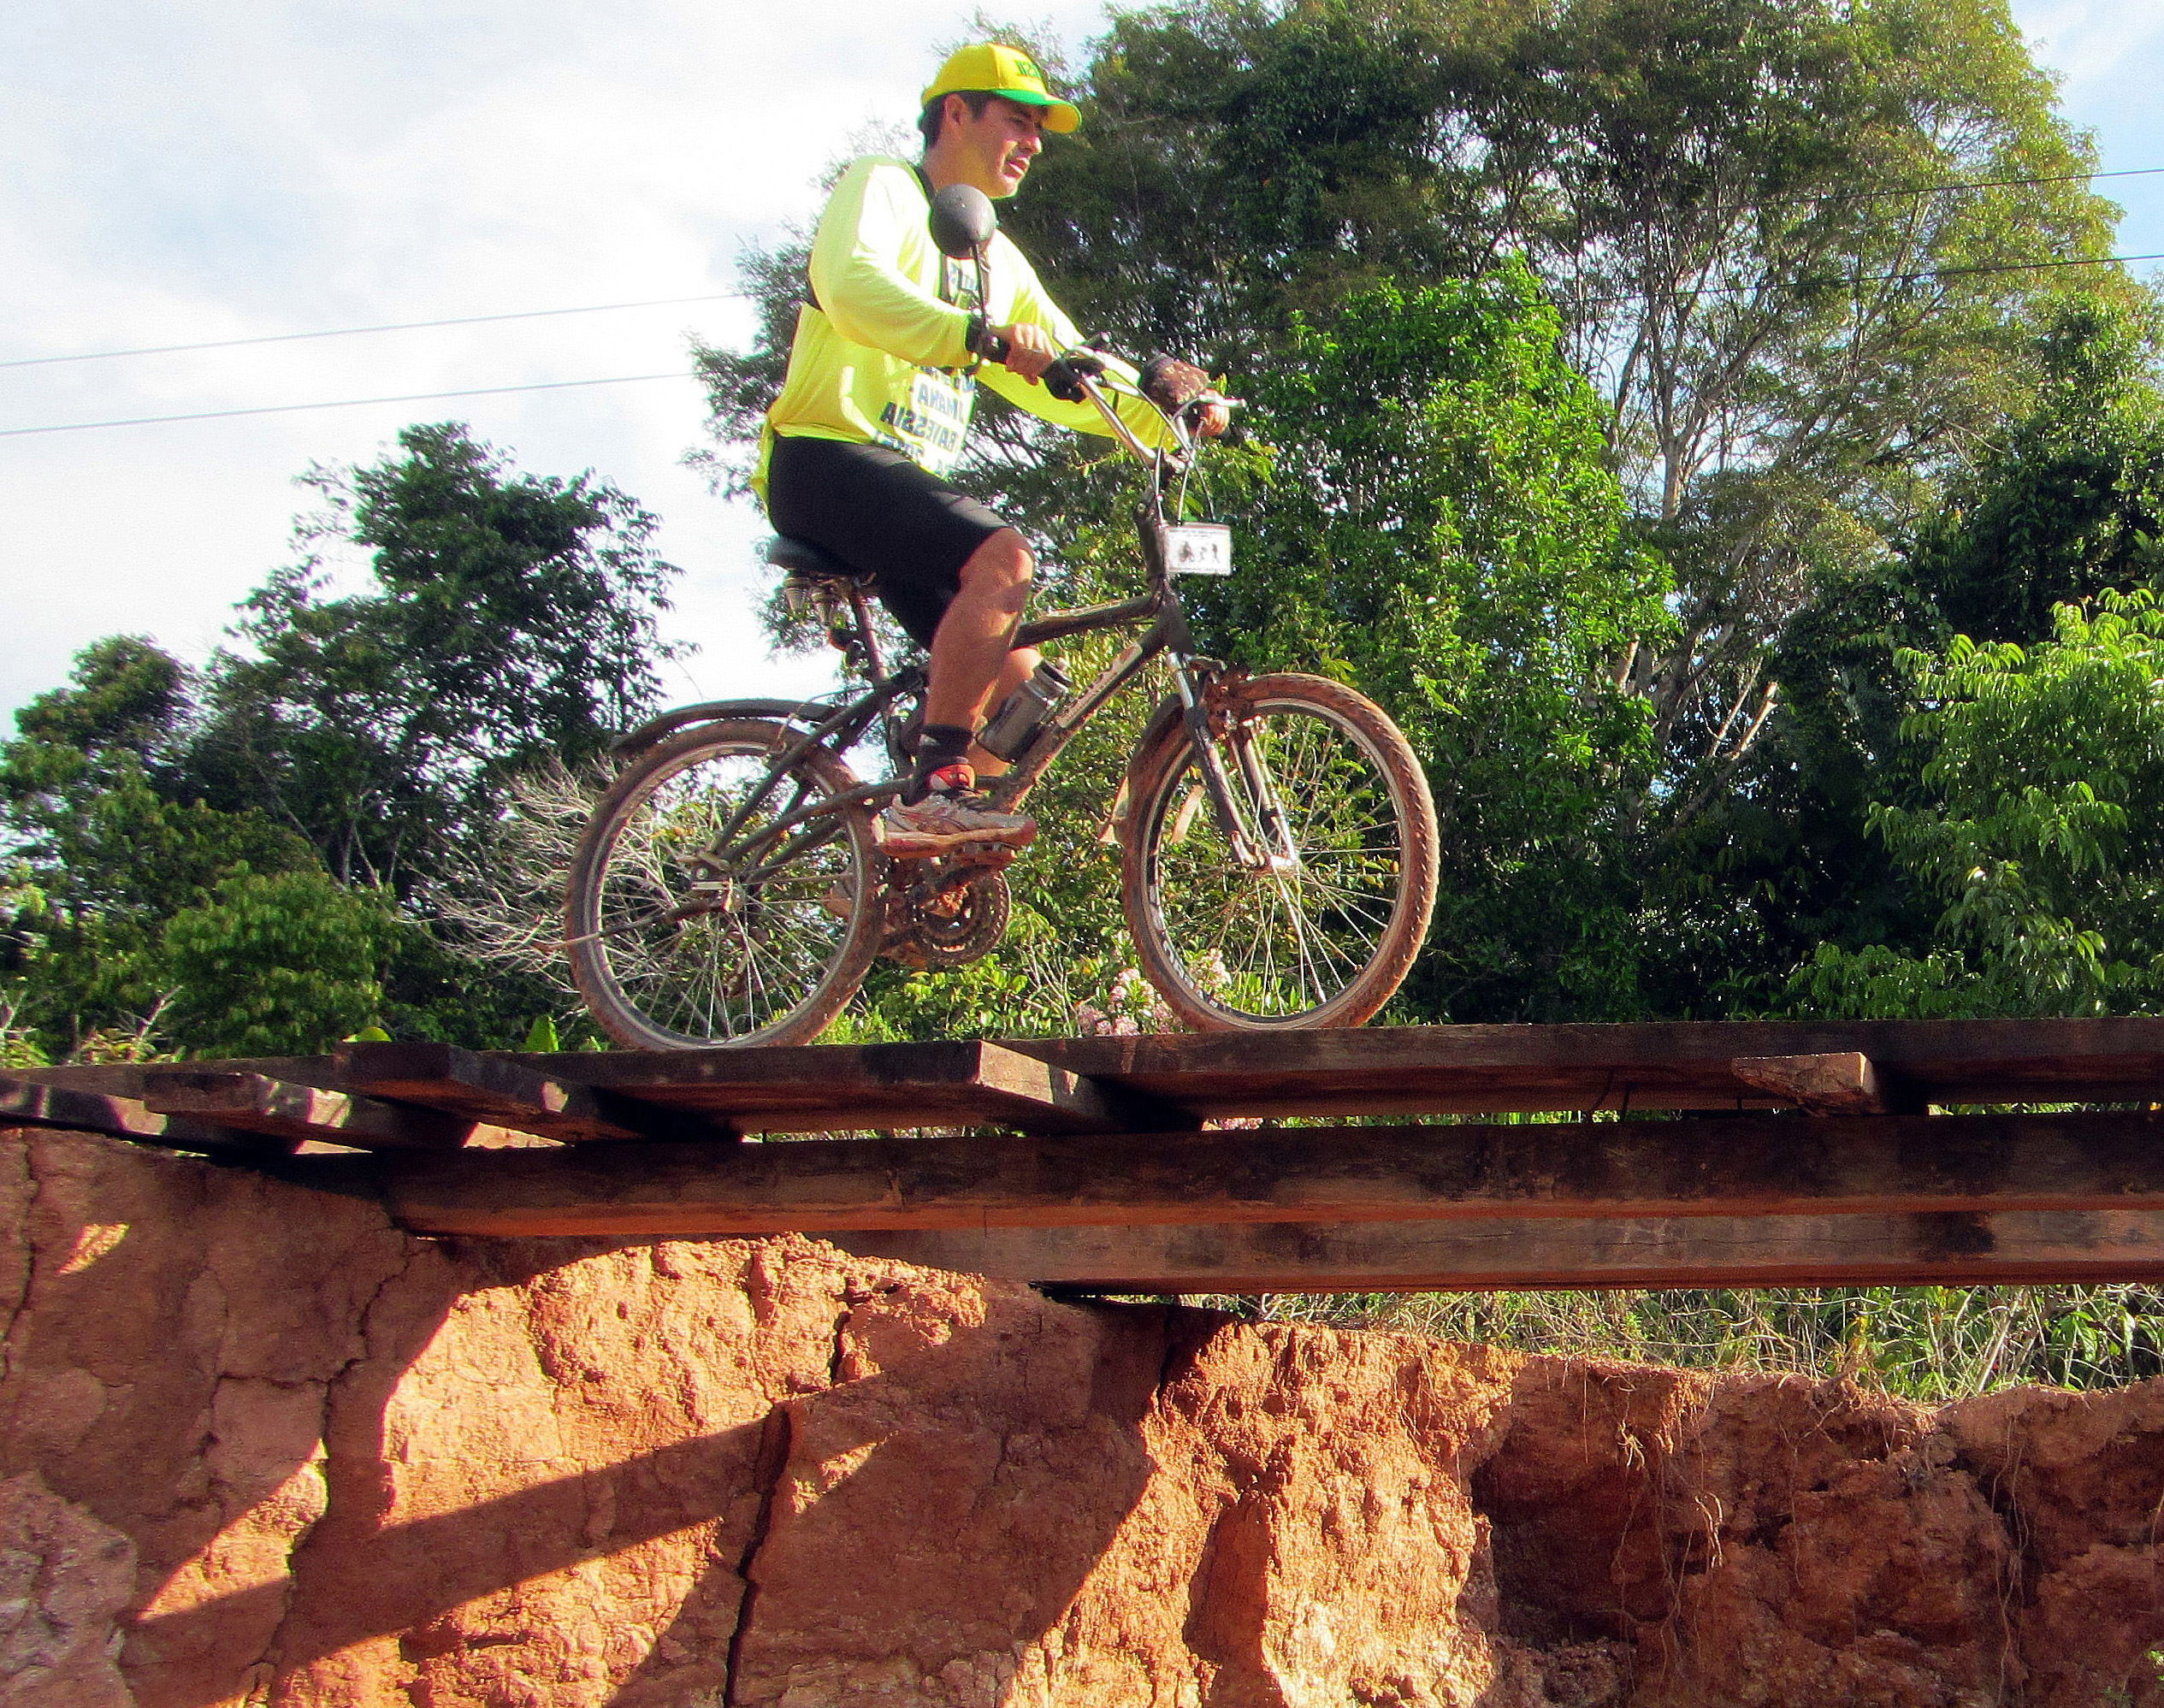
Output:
x,y
1294,934
685,948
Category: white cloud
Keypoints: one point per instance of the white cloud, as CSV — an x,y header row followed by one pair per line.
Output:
x,y
2093,43
187,172
2106,53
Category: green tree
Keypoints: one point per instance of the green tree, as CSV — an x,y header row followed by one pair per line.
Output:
x,y
108,846
275,966
1744,209
172,835
2058,503
1438,526
2037,832
2067,503
510,621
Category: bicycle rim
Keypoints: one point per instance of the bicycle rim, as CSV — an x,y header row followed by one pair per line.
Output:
x,y
1324,933
771,948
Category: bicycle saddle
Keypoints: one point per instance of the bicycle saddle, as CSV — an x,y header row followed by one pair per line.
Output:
x,y
801,557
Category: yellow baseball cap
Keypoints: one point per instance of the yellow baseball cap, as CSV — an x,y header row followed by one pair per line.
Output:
x,y
1004,71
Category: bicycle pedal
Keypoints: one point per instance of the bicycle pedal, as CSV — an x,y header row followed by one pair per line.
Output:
x,y
989,856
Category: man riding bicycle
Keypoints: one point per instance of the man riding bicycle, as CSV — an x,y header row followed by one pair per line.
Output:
x,y
876,408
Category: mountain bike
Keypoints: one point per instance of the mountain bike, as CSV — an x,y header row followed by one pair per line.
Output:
x,y
1277,840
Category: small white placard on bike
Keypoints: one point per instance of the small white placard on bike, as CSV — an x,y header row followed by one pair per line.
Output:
x,y
1197,548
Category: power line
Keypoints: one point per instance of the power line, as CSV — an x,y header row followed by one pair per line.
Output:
x,y
342,403
1952,184
1945,188
637,378
2006,267
356,331
1897,278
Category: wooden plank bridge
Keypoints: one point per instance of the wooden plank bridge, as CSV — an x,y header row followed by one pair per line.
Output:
x,y
1687,1154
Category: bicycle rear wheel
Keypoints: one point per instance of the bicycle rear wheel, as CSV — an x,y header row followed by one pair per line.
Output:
x,y
675,949
1321,930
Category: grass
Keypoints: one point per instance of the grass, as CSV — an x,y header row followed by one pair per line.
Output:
x,y
1929,1344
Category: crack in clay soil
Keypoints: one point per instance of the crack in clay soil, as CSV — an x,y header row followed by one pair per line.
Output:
x,y
2024,1568
29,1259
776,1434
276,1641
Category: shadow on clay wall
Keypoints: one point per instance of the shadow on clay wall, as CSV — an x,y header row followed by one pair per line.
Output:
x,y
935,1530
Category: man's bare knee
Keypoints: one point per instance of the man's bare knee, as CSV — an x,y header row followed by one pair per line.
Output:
x,y
999,569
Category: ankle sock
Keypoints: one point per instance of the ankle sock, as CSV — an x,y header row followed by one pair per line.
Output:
x,y
940,745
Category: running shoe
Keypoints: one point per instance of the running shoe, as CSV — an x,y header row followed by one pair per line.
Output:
x,y
950,816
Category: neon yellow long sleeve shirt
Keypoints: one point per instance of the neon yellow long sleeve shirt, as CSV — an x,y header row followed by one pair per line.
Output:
x,y
879,356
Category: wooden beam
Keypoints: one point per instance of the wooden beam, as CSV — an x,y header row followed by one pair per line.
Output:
x,y
257,1103
1412,1070
1748,1167
1159,1084
1836,1083
1937,1248
505,1092
57,1106
825,1088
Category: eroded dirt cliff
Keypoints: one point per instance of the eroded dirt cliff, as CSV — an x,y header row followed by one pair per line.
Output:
x,y
258,1446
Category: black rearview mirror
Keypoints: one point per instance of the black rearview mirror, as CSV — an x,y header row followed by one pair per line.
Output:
x,y
962,221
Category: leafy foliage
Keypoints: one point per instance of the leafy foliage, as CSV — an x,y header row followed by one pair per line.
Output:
x,y
248,853
2038,828
510,620
1438,526
2067,503
275,966
1741,207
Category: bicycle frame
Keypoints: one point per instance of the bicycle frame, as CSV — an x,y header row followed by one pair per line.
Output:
x,y
1167,632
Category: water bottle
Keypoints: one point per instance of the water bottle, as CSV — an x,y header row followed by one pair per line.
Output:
x,y
1014,727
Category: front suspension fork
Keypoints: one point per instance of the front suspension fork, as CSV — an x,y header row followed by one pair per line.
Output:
x,y
1262,846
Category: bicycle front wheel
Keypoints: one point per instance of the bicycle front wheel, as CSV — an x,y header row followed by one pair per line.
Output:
x,y
1315,922
676,943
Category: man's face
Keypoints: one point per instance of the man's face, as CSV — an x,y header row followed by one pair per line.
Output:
x,y
994,150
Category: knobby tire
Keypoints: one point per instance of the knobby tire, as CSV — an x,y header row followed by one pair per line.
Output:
x,y
774,966
1324,941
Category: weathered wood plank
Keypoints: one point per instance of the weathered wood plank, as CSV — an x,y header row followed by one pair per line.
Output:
x,y
505,1092
126,1078
1753,1166
1936,1248
257,1103
836,1087
1163,1083
1838,1083
37,1105
1410,1070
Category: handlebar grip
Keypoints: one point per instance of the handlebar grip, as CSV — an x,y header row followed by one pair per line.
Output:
x,y
1063,379
984,342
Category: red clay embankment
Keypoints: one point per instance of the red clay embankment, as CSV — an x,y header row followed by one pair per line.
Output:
x,y
258,1446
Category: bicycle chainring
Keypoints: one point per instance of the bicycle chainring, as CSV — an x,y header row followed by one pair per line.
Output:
x,y
946,915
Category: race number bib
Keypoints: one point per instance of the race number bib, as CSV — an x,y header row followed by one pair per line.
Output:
x,y
931,426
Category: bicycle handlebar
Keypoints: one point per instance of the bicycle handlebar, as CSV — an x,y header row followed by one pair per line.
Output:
x,y
1079,376
1063,379
982,341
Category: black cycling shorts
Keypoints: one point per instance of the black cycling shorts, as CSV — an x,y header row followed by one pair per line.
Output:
x,y
884,517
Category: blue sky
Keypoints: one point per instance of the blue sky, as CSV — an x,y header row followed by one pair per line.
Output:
x,y
181,171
